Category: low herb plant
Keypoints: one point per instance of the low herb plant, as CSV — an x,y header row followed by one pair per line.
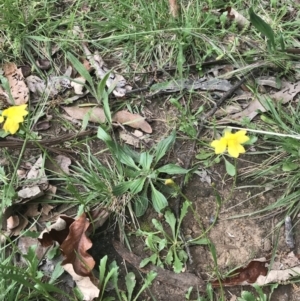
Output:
x,y
141,171
188,120
168,248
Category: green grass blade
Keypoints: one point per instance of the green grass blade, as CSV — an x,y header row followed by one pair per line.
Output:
x,y
262,26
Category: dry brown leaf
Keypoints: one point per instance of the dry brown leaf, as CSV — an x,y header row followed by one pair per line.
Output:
x,y
35,209
134,139
43,124
129,139
24,243
259,271
78,84
12,222
98,217
75,247
23,222
286,94
95,114
133,120
88,289
30,193
56,232
18,88
54,86
240,20
59,165
36,174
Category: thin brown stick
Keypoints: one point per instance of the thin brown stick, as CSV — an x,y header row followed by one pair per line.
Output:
x,y
12,142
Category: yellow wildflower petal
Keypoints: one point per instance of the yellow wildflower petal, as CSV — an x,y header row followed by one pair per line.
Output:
x,y
241,137
11,126
235,149
219,145
16,112
227,133
1,119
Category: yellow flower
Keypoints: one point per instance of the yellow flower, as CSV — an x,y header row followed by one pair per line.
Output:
x,y
231,141
14,116
169,182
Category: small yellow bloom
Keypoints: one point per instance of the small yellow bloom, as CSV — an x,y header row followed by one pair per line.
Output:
x,y
14,116
169,182
232,142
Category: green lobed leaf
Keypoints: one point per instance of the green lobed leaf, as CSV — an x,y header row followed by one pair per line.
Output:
x,y
158,226
169,257
172,169
246,296
137,185
184,211
159,201
145,261
289,166
130,284
171,220
230,168
140,205
177,264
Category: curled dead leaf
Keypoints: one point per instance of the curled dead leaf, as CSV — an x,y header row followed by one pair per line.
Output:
x,y
74,243
75,247
56,232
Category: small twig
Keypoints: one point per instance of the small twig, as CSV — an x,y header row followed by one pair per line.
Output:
x,y
12,142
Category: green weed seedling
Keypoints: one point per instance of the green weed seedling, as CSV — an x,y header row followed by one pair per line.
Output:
x,y
141,172
111,277
188,121
247,296
160,240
